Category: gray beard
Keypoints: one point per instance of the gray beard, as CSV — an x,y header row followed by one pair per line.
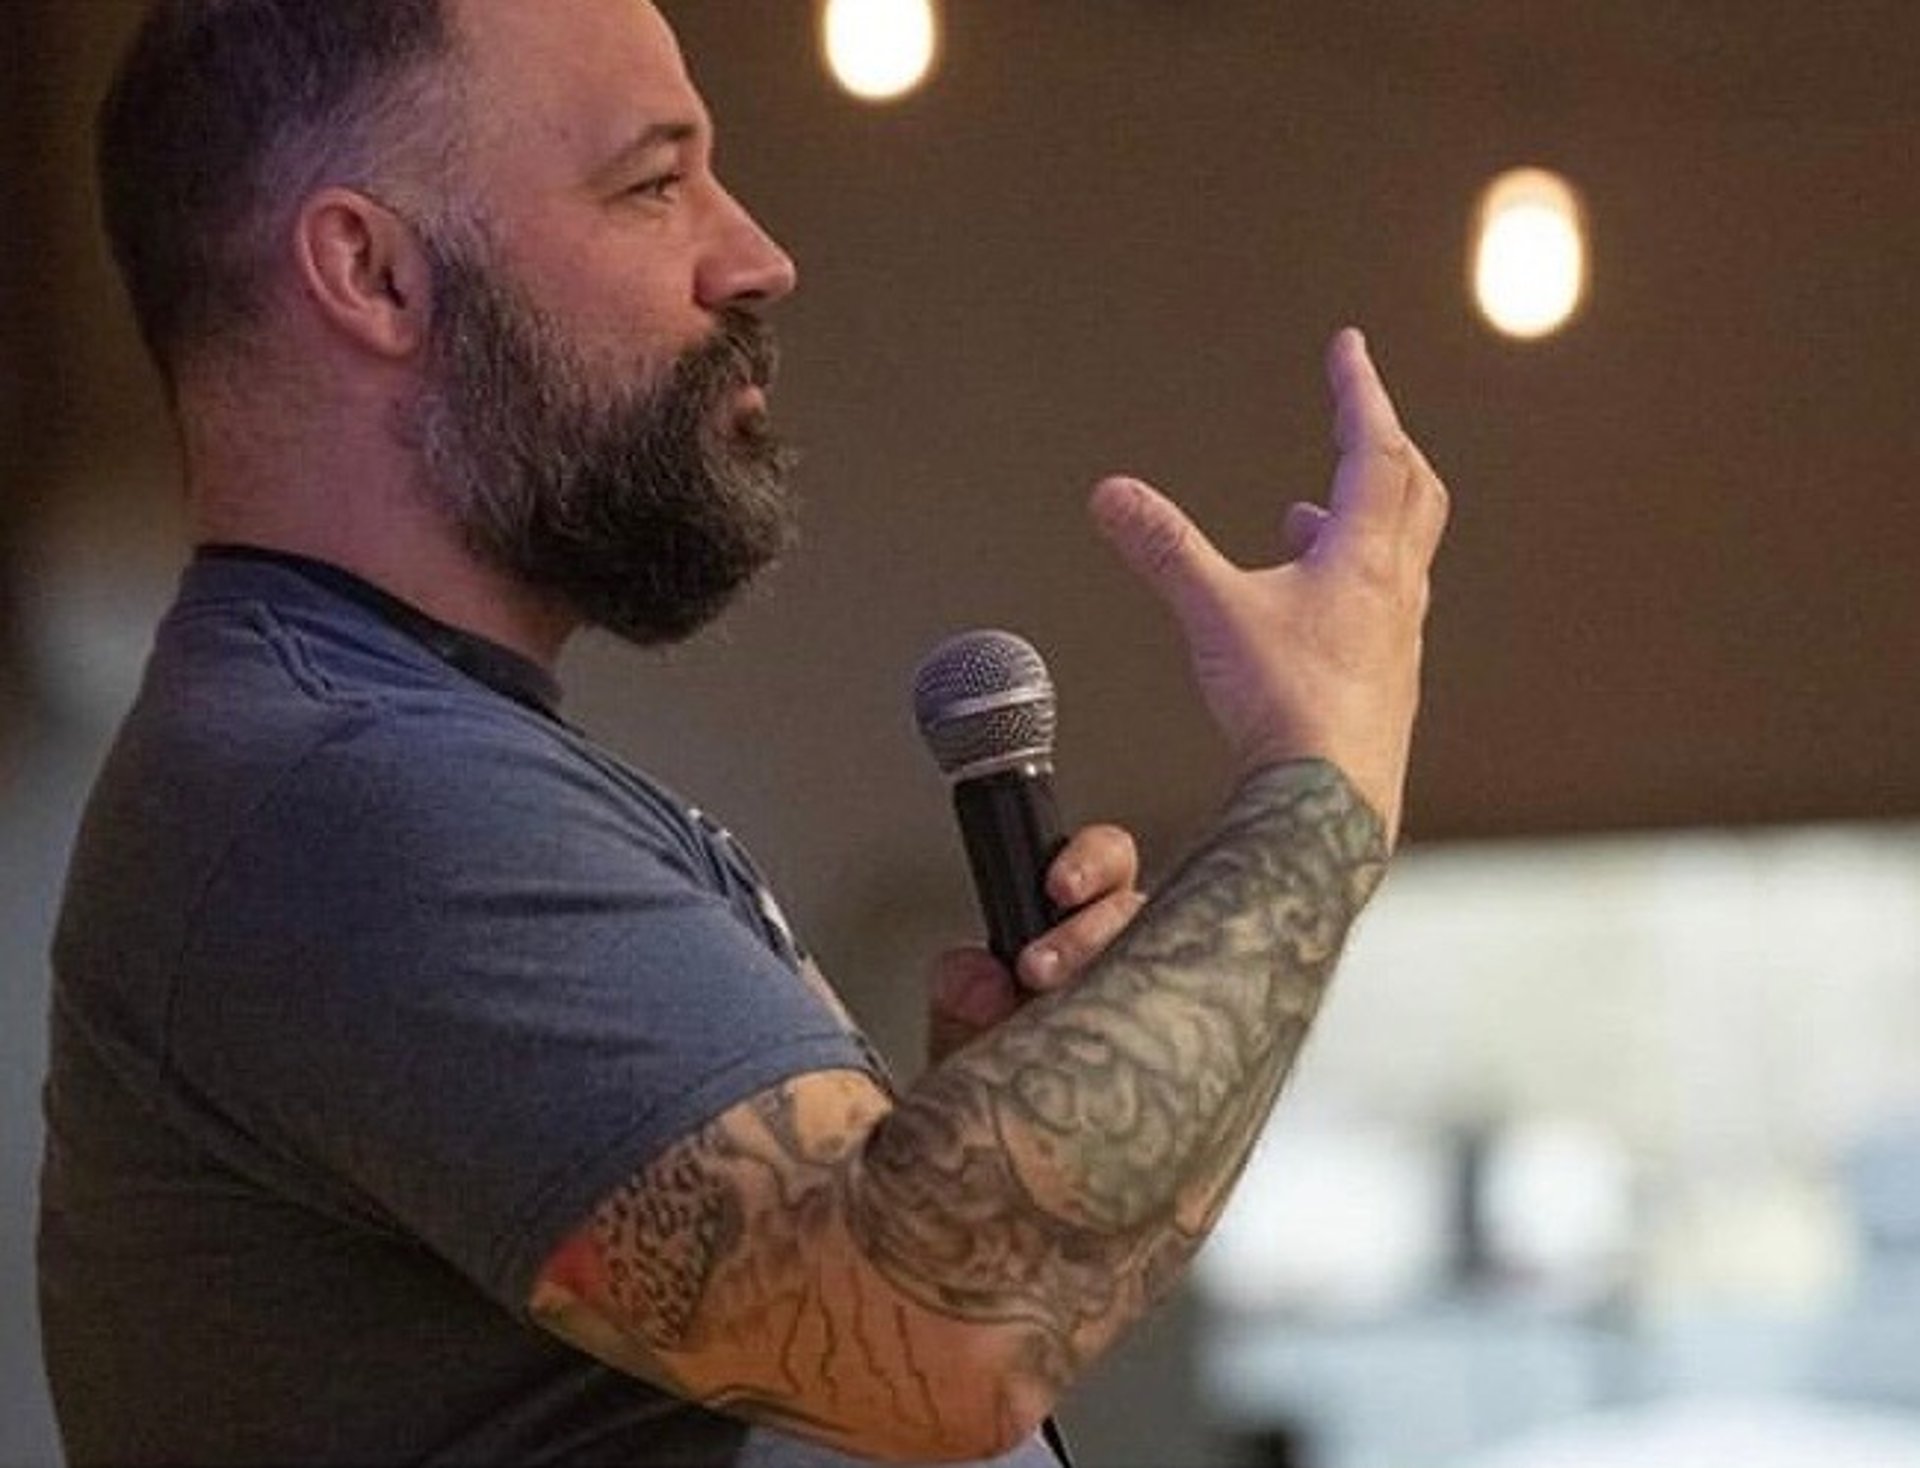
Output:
x,y
643,509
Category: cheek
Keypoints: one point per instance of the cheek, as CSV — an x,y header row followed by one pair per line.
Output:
x,y
620,295
634,323
640,282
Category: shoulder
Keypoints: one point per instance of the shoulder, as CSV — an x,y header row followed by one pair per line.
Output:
x,y
295,712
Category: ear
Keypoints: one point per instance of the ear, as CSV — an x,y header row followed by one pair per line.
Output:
x,y
364,271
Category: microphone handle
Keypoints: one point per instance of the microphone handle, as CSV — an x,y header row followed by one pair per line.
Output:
x,y
1011,828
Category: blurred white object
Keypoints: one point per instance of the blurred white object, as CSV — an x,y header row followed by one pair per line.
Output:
x,y
1763,1432
1557,1207
1334,1221
1766,1240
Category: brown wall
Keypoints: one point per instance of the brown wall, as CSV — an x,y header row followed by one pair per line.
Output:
x,y
1679,588
20,205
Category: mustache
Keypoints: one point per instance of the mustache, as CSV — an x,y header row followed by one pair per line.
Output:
x,y
742,351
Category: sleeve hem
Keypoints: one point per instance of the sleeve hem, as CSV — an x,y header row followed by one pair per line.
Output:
x,y
565,1202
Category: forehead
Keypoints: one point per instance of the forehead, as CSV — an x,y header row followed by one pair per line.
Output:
x,y
578,75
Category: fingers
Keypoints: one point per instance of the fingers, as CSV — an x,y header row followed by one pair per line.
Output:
x,y
1095,875
1370,482
971,993
1096,860
1385,493
1432,507
1157,540
1057,959
1364,415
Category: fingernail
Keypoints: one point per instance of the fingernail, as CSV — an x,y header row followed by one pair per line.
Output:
x,y
1043,964
1116,499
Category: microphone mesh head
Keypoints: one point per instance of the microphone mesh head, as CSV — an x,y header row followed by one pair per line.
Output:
x,y
984,703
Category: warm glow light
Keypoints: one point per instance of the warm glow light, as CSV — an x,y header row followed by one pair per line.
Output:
x,y
1530,253
880,49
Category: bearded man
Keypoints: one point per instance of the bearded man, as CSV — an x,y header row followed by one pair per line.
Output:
x,y
429,1085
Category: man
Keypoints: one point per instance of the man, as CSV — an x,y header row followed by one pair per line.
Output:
x,y
427,1084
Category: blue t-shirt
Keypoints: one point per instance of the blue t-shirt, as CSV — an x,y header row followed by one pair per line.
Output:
x,y
371,982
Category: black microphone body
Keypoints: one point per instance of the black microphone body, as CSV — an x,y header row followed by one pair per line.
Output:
x,y
1011,828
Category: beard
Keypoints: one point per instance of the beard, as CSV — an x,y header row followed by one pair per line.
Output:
x,y
644,506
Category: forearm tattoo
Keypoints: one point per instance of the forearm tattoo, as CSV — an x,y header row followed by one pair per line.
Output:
x,y
1054,1177
1062,1170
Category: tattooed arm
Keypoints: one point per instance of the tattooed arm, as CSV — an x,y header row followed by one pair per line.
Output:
x,y
921,1279
924,1279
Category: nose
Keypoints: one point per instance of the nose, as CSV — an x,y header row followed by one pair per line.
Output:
x,y
744,265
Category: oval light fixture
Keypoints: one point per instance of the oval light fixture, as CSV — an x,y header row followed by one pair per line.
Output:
x,y
1530,264
880,50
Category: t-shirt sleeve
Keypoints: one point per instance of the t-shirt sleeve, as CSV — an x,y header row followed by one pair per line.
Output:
x,y
463,986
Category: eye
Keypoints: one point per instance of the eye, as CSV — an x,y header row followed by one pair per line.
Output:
x,y
660,187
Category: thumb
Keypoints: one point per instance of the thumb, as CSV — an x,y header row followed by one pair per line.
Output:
x,y
1156,539
1303,526
971,985
969,993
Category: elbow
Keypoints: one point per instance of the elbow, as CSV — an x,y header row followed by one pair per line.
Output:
x,y
1027,1411
991,1440
991,1411
979,1412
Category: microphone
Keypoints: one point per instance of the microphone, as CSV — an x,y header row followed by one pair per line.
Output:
x,y
984,704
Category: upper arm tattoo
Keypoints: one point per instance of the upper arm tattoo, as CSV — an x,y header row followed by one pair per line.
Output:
x,y
724,1267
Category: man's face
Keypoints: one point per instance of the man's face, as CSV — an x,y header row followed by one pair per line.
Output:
x,y
594,412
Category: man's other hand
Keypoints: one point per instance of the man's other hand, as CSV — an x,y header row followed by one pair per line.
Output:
x,y
1094,879
1319,654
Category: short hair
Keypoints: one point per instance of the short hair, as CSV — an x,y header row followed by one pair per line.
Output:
x,y
225,114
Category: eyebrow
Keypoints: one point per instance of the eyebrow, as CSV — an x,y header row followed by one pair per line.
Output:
x,y
654,136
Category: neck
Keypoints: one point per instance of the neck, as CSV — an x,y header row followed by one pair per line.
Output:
x,y
359,506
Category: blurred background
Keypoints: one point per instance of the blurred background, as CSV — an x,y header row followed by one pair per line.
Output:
x,y
1608,1148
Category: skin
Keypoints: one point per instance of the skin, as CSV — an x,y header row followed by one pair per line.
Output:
x,y
913,1277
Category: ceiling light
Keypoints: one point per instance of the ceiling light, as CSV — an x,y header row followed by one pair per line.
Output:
x,y
880,50
1530,253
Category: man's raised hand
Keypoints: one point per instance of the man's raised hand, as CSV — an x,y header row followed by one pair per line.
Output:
x,y
1318,655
